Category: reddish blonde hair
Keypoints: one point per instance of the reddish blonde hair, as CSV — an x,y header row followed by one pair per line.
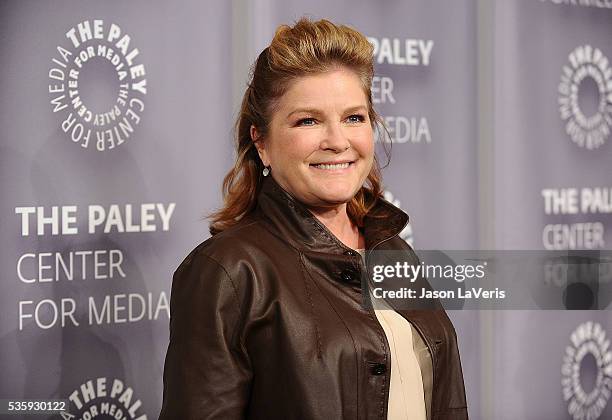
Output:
x,y
306,48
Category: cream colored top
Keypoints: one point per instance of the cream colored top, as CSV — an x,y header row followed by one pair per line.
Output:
x,y
409,354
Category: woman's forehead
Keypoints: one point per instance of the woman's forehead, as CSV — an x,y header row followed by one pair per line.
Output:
x,y
334,89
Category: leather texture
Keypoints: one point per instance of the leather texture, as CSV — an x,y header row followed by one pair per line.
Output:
x,y
268,322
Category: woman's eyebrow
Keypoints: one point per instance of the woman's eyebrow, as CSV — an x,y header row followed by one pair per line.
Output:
x,y
355,109
304,110
315,111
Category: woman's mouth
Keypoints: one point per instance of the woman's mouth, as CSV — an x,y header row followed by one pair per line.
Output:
x,y
331,166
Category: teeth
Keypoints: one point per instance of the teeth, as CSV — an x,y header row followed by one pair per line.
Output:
x,y
334,166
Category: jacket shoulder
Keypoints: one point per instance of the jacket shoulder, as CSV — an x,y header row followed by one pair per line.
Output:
x,y
232,243
218,270
239,251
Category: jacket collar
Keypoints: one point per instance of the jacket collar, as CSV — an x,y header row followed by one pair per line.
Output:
x,y
296,224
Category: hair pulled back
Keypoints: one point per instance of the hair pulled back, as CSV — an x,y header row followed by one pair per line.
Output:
x,y
309,47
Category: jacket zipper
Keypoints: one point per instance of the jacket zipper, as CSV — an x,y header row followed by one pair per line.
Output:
x,y
381,331
368,252
415,324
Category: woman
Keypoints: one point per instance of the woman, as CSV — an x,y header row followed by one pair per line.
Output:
x,y
267,316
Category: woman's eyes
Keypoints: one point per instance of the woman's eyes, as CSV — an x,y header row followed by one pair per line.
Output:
x,y
355,118
306,121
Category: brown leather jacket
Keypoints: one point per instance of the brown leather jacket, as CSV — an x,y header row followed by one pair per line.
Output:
x,y
267,322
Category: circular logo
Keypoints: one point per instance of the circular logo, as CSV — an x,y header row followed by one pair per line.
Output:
x,y
104,398
587,65
97,84
406,233
588,341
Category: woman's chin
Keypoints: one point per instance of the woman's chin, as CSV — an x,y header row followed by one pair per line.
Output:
x,y
336,196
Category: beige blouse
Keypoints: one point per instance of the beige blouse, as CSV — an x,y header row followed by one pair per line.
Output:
x,y
411,366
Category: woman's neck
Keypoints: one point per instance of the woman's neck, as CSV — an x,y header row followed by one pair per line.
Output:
x,y
338,222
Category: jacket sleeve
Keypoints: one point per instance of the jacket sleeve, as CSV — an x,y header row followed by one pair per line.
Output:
x,y
207,371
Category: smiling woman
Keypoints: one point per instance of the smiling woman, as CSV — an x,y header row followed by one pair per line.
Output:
x,y
268,316
320,146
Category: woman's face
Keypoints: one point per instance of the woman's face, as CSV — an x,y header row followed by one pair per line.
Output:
x,y
320,143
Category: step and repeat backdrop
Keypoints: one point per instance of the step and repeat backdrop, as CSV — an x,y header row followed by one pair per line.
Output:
x,y
552,171
117,131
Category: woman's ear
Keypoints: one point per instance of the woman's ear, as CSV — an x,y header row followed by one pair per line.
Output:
x,y
259,144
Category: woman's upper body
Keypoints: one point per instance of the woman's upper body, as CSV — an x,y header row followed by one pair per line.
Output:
x,y
270,318
268,321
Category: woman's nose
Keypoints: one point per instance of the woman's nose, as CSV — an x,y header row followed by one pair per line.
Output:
x,y
335,138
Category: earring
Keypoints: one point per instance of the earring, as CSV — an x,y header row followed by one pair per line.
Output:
x,y
266,171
